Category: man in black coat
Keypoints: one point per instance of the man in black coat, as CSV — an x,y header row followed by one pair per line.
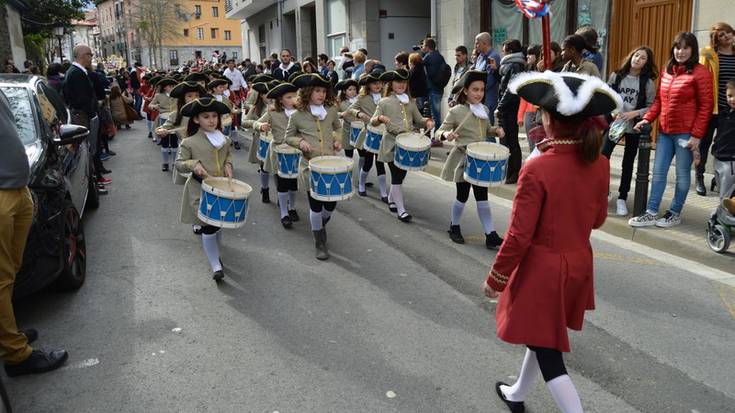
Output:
x,y
287,67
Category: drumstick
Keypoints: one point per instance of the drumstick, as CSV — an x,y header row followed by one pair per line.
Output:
x,y
467,116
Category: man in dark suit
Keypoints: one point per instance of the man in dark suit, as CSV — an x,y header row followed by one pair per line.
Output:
x,y
287,67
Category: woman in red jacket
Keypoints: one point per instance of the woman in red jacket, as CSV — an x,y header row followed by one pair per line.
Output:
x,y
683,105
544,268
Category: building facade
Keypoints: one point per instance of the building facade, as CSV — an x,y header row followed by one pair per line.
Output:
x,y
11,32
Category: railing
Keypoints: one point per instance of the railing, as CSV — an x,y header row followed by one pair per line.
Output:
x,y
228,6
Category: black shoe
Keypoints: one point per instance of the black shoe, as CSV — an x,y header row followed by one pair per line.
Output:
x,y
713,185
384,199
701,190
266,195
362,193
405,217
30,333
38,362
158,143
197,231
111,153
218,275
164,168
287,222
128,126
325,220
493,240
369,184
150,135
392,207
320,239
455,234
515,407
293,215
237,146
101,190
105,171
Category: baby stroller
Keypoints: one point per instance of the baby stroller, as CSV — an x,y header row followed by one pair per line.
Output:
x,y
722,222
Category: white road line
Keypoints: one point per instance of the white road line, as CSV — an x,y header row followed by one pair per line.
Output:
x,y
690,266
83,364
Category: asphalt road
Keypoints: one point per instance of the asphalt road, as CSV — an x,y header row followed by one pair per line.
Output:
x,y
395,321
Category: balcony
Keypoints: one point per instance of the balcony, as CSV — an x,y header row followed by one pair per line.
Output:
x,y
242,9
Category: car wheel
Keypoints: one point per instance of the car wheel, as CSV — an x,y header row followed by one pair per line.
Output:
x,y
73,250
93,196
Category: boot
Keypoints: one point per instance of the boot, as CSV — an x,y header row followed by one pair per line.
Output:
x,y
320,238
266,196
701,190
456,234
493,240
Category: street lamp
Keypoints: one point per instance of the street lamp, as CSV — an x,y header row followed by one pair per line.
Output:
x,y
59,33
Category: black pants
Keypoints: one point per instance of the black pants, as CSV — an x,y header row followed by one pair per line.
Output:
x,y
286,184
209,229
510,127
704,146
369,156
550,362
631,149
170,141
316,205
349,153
463,192
397,175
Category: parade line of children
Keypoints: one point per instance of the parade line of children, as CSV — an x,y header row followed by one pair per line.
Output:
x,y
195,119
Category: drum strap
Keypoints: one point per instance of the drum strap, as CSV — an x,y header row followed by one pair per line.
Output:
x,y
405,117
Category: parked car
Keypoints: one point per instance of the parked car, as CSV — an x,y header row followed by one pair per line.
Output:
x,y
61,183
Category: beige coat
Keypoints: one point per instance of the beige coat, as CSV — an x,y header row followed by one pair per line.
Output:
x,y
163,103
248,123
403,118
347,118
193,149
366,105
180,130
320,135
278,122
586,67
117,109
473,129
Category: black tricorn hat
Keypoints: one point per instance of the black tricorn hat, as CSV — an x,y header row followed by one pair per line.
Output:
x,y
375,75
281,89
566,95
467,78
217,82
398,74
166,81
154,80
204,104
259,78
310,79
262,88
294,75
344,84
185,87
197,77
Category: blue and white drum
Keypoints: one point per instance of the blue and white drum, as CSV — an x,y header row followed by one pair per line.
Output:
x,y
486,164
288,161
412,151
330,178
373,138
263,145
356,128
224,202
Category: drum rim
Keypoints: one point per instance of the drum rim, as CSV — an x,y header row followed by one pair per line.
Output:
x,y
226,194
425,147
322,169
267,138
331,198
488,157
378,130
359,122
220,223
286,149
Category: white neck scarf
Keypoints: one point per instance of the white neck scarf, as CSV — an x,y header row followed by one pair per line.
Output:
x,y
478,109
289,112
352,99
219,97
403,98
376,97
216,138
286,68
318,111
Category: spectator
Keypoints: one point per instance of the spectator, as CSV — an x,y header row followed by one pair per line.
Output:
x,y
238,90
340,61
248,70
572,49
135,76
287,67
10,66
118,101
359,69
55,76
363,51
322,60
370,64
332,72
591,53
719,59
461,65
308,67
487,60
16,217
633,81
513,62
434,64
417,82
557,64
684,104
533,56
401,61
274,62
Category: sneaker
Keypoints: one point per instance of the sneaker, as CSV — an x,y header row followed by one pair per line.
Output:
x,y
293,215
237,146
150,135
111,153
164,168
104,157
622,208
104,181
644,220
669,220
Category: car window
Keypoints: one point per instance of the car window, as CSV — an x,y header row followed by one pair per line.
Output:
x,y
20,104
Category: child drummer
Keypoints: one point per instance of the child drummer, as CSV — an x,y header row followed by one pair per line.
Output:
x,y
312,129
205,152
468,122
346,96
218,88
398,112
255,112
275,120
174,129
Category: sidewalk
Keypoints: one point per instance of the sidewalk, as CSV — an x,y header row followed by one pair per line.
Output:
x,y
687,240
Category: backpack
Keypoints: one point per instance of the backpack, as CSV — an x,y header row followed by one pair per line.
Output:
x,y
442,78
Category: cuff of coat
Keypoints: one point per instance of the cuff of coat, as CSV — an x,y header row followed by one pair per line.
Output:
x,y
497,280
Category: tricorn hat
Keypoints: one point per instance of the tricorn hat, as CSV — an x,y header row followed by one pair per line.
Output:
x,y
166,81
294,75
398,74
185,87
259,78
262,88
310,79
344,84
204,104
377,71
217,82
280,90
467,79
197,77
566,95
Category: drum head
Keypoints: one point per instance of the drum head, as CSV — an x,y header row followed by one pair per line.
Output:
x,y
287,149
358,124
488,151
330,164
376,129
413,141
228,188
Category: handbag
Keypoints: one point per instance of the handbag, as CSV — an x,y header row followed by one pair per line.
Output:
x,y
617,130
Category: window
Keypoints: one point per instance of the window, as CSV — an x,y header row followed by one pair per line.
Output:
x,y
173,57
215,11
234,55
200,33
336,26
198,11
186,32
214,33
228,35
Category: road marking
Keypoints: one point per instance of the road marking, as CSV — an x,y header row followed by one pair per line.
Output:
x,y
390,394
83,364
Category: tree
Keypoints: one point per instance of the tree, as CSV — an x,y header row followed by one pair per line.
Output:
x,y
44,15
158,21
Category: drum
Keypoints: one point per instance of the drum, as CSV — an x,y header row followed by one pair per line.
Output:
x,y
412,151
263,145
288,161
486,164
224,202
355,128
331,178
373,138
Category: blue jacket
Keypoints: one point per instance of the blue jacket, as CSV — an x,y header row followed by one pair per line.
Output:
x,y
433,62
493,78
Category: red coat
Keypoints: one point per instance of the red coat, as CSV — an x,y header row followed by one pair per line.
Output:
x,y
684,101
544,266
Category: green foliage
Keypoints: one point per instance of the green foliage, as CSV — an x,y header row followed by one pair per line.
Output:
x,y
44,15
35,46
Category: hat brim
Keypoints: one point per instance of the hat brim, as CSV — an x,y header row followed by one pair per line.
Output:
x,y
197,77
345,84
261,88
185,87
281,89
203,105
219,82
166,82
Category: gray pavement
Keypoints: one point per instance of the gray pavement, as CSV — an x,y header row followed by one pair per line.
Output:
x,y
395,321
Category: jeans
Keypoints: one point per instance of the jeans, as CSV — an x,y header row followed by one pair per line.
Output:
x,y
705,144
631,150
435,103
667,147
138,101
